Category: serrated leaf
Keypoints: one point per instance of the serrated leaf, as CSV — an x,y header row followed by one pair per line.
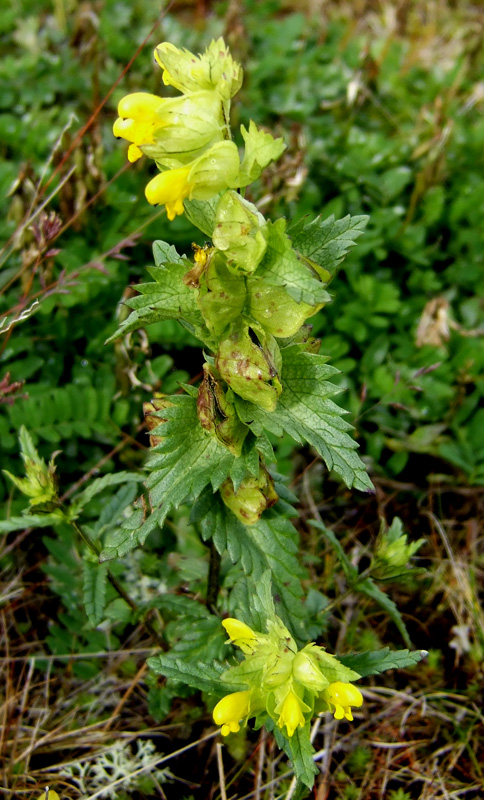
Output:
x,y
197,674
373,662
94,591
306,413
167,297
178,606
260,149
31,521
271,544
369,588
300,752
100,484
281,267
132,533
201,213
164,253
326,242
113,508
188,458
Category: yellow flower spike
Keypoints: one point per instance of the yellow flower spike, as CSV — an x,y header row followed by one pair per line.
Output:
x,y
230,710
291,713
241,635
170,189
340,697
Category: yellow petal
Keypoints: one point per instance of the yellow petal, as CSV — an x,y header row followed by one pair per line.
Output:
x,y
134,153
139,103
291,714
230,710
169,188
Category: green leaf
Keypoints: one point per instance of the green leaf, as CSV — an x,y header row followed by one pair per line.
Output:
x,y
306,413
132,532
179,606
31,521
100,484
165,253
300,752
113,507
392,553
167,297
201,213
326,242
181,466
188,458
368,587
94,591
281,267
372,662
197,674
260,149
270,544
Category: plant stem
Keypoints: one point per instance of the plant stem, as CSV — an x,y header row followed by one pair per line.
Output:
x,y
213,577
93,547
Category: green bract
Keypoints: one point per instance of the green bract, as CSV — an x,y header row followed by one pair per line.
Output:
x,y
214,69
240,233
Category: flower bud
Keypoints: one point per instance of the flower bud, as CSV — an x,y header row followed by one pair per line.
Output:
x,y
252,497
250,368
215,69
240,232
39,483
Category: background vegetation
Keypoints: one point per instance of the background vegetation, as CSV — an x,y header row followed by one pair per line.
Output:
x,y
381,106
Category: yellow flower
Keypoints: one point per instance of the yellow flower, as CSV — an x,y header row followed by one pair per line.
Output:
x,y
202,179
230,710
340,697
138,121
170,189
291,713
241,635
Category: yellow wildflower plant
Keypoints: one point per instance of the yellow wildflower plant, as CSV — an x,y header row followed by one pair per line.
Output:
x,y
287,684
215,69
341,697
